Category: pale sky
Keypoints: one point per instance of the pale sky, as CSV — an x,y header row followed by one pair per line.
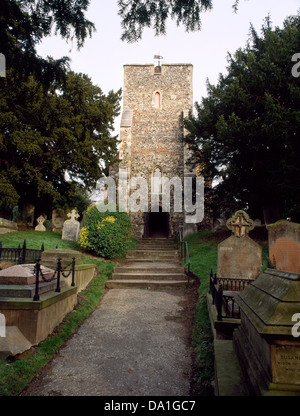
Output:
x,y
103,56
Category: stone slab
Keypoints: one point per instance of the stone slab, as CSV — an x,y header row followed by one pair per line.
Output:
x,y
13,343
28,291
8,224
49,257
23,274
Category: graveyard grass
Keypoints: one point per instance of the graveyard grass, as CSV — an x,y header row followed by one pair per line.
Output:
x,y
203,257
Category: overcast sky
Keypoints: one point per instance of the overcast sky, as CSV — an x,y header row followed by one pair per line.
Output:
x,y
103,56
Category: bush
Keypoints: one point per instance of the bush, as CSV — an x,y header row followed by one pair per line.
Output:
x,y
106,234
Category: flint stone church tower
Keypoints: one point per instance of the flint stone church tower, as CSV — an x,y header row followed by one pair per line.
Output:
x,y
155,101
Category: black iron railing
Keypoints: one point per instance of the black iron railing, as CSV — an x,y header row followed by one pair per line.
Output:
x,y
236,285
184,255
59,271
225,303
20,255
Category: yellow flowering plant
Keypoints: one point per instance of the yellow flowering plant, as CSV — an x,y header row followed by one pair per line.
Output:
x,y
106,234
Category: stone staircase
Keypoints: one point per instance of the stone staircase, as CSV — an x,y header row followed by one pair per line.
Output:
x,y
154,263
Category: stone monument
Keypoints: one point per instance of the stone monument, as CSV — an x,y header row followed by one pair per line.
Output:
x,y
7,226
239,257
28,213
58,219
40,226
71,227
284,245
267,341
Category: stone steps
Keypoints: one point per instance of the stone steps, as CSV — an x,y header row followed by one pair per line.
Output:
x,y
147,276
152,264
145,284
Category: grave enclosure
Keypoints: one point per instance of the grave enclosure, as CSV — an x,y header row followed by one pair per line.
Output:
x,y
33,308
259,342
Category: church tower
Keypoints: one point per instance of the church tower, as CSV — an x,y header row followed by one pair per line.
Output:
x,y
156,98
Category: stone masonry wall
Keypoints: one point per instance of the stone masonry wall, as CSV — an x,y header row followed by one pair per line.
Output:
x,y
152,132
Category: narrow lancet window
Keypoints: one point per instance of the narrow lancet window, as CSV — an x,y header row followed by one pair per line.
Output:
x,y
157,99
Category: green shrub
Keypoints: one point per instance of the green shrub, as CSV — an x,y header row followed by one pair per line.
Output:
x,y
106,234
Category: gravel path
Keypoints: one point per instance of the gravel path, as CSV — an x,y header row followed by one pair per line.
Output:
x,y
136,343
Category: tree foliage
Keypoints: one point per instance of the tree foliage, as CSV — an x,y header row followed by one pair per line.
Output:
x,y
247,129
136,15
25,23
139,14
52,139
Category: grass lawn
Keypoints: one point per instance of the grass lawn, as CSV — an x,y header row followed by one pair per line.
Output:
x,y
35,239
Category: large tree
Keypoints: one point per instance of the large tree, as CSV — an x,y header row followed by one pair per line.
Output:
x,y
52,139
247,129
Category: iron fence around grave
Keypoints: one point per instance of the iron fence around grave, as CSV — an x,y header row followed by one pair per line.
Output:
x,y
225,303
58,273
20,255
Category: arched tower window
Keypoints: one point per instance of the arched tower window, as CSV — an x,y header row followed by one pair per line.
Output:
x,y
157,100
157,180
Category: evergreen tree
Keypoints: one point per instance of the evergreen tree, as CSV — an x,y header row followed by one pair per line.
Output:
x,y
50,140
247,130
139,14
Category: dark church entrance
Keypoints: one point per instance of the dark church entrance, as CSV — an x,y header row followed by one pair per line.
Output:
x,y
157,224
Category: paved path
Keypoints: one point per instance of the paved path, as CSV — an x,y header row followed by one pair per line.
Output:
x,y
134,344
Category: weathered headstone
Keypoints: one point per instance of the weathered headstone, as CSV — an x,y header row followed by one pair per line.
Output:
x,y
40,226
284,245
239,257
267,341
58,219
71,227
28,213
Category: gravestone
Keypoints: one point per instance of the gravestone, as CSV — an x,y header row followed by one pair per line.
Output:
x,y
58,219
40,226
71,227
267,341
284,245
28,214
239,257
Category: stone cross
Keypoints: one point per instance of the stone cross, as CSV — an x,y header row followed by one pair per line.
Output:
x,y
40,227
73,215
240,224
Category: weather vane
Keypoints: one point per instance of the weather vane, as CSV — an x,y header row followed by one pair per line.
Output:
x,y
158,58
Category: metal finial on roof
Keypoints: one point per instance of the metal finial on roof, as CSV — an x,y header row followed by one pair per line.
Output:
x,y
158,58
